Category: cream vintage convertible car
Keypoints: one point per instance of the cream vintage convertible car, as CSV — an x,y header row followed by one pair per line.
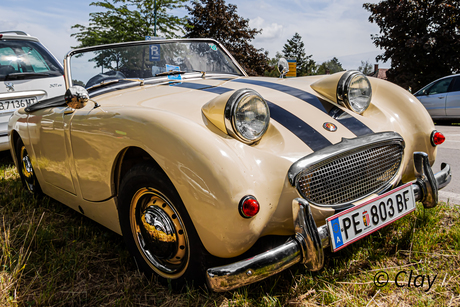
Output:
x,y
172,145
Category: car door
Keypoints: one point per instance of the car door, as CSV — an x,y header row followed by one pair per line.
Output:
x,y
49,131
453,99
434,97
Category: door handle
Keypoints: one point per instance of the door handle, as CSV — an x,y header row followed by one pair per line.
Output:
x,y
441,97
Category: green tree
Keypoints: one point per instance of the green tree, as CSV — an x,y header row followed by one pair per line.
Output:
x,y
129,20
295,49
421,37
215,19
366,67
329,67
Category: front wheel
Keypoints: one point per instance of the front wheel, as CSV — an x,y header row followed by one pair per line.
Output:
x,y
157,228
25,169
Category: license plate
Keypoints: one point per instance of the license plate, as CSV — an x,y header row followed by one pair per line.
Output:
x,y
355,223
17,103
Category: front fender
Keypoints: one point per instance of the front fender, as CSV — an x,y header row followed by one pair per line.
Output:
x,y
210,170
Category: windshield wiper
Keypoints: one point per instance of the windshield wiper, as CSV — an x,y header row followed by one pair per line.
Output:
x,y
106,82
23,75
171,72
203,73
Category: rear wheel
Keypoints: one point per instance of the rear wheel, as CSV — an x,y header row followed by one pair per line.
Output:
x,y
157,228
25,169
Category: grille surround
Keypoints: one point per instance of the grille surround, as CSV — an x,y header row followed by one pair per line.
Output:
x,y
351,170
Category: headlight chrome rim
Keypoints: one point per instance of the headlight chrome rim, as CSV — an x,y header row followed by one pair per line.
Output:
x,y
343,91
230,115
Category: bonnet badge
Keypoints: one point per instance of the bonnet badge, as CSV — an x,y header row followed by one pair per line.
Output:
x,y
10,86
330,127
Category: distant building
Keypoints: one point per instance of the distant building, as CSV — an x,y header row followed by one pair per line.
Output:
x,y
380,73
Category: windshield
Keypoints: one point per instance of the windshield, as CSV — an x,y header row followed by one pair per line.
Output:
x,y
149,61
21,59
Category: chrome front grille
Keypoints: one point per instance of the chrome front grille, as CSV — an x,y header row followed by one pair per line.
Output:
x,y
358,168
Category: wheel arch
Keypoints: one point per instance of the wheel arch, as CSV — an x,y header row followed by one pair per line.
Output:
x,y
125,160
14,136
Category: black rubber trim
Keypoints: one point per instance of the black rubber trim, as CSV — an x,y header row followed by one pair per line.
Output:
x,y
57,101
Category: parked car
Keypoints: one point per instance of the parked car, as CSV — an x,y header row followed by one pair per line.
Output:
x,y
442,97
28,74
172,145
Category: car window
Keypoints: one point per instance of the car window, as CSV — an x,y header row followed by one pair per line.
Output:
x,y
27,57
456,85
440,87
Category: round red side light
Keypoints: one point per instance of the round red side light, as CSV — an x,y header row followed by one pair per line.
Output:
x,y
437,138
248,206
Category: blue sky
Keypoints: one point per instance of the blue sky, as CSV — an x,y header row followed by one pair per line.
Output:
x,y
328,28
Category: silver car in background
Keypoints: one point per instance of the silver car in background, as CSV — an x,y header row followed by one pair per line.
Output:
x,y
29,73
442,97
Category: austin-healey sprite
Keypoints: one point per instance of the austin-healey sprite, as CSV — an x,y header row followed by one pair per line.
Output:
x,y
172,145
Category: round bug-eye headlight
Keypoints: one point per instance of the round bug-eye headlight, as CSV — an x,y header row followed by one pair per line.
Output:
x,y
247,116
354,91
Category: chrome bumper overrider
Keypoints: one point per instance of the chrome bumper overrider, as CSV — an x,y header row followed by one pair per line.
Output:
x,y
307,245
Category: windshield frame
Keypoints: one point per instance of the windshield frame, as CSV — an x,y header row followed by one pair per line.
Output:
x,y
75,52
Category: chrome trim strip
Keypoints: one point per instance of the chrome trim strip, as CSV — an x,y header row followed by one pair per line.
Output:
x,y
428,184
245,272
21,94
344,146
426,180
307,235
306,247
443,177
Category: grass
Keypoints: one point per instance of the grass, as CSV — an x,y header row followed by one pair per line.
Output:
x,y
53,256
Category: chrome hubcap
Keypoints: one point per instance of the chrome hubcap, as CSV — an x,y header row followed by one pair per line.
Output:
x,y
159,233
27,169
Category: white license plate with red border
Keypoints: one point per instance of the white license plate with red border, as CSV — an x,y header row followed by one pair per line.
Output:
x,y
358,222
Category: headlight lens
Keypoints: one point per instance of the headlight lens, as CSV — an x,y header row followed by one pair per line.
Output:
x,y
354,91
247,116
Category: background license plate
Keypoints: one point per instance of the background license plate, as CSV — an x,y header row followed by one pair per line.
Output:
x,y
17,103
355,223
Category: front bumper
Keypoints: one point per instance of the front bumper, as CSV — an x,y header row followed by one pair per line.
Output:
x,y
307,245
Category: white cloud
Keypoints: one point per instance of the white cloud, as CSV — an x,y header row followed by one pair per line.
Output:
x,y
269,31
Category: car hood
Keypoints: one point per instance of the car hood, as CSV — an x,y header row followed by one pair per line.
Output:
x,y
294,105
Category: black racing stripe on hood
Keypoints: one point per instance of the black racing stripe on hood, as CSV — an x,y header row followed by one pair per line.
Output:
x,y
352,124
306,133
301,129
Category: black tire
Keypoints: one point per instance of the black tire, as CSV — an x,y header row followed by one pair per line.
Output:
x,y
157,229
25,169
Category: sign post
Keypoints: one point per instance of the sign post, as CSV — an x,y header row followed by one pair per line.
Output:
x,y
292,68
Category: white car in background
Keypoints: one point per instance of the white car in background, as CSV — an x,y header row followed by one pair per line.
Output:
x,y
29,73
